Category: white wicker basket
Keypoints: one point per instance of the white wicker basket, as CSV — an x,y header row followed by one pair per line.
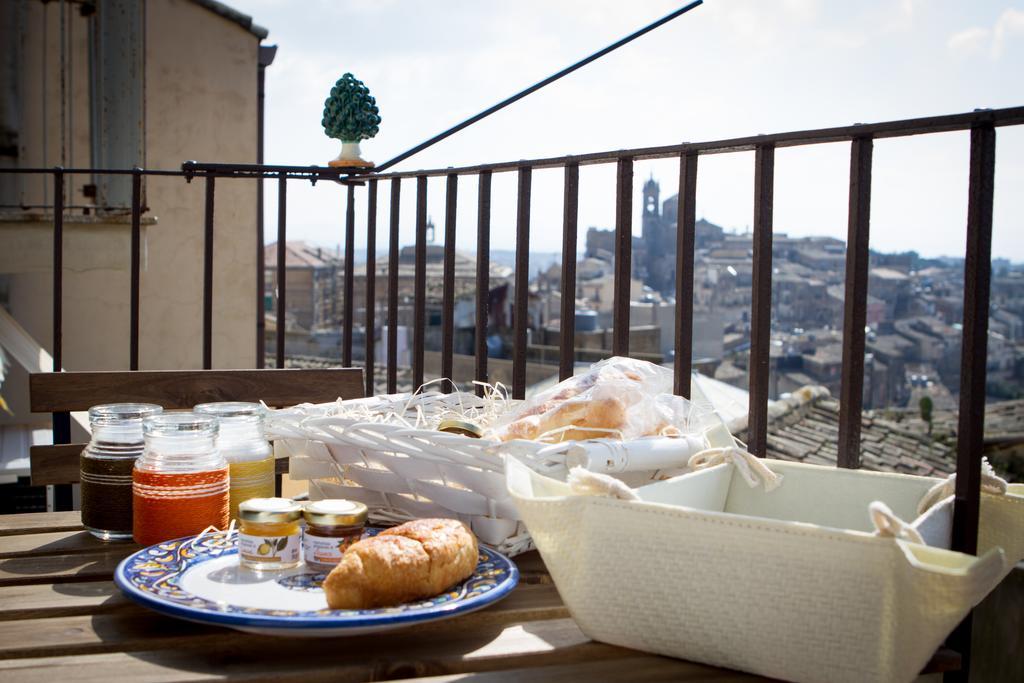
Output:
x,y
401,471
799,583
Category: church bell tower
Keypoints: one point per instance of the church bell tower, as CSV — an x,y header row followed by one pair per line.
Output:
x,y
652,212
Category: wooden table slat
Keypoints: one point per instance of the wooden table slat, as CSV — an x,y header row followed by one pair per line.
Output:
x,y
403,654
59,543
40,522
35,601
600,662
142,629
478,634
640,669
17,571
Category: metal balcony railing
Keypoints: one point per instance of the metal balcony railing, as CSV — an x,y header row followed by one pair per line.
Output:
x,y
982,125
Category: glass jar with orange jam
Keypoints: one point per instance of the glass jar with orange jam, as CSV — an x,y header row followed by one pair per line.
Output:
x,y
269,536
331,527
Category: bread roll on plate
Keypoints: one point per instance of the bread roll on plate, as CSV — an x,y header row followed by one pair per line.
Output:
x,y
415,560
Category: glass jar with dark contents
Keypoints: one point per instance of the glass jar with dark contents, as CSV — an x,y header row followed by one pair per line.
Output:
x,y
106,468
331,527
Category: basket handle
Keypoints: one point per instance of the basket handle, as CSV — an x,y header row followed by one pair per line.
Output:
x,y
751,468
888,525
990,483
978,575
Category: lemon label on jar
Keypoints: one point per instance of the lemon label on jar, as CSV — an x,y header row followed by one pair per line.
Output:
x,y
284,549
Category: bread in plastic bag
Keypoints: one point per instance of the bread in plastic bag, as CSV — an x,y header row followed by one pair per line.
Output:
x,y
621,398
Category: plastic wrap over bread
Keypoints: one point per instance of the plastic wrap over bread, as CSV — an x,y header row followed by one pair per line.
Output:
x,y
618,398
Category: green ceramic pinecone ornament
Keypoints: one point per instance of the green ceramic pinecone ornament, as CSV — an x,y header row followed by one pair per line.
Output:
x,y
350,115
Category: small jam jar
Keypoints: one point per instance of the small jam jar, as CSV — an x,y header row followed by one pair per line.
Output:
x,y
269,536
331,527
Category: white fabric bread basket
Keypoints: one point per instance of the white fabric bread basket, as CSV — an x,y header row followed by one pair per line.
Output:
x,y
819,579
387,453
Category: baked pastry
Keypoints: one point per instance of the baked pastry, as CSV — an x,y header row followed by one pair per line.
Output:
x,y
589,419
415,560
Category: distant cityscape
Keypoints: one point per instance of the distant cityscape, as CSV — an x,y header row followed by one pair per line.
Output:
x,y
914,310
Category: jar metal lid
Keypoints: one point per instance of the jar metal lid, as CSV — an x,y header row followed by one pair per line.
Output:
x,y
336,512
460,427
230,411
269,510
122,413
172,424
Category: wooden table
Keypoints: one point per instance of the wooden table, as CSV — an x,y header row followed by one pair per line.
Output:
x,y
62,619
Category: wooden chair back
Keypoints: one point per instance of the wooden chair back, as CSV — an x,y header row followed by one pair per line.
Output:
x,y
64,392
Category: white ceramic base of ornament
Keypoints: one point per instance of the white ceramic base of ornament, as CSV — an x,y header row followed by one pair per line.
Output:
x,y
349,157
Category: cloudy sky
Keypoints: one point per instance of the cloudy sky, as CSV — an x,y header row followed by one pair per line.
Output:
x,y
727,69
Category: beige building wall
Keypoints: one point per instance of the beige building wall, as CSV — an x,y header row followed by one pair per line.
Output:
x,y
200,103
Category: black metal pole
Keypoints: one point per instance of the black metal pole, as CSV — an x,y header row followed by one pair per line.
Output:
x,y
348,307
537,86
973,361
282,273
208,275
62,495
136,270
266,58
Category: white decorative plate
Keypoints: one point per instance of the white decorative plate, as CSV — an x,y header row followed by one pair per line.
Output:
x,y
198,578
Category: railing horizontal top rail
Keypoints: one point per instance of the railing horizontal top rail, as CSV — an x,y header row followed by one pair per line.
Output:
x,y
1009,116
932,124
93,171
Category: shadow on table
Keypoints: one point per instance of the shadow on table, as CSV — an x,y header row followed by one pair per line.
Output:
x,y
160,642
89,589
81,566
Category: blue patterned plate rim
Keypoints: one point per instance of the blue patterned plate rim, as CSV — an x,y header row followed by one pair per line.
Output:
x,y
153,584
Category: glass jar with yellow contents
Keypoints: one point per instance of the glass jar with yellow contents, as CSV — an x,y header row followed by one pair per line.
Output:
x,y
269,536
331,527
243,443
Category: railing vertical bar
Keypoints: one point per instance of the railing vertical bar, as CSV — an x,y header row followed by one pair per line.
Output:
x,y
483,276
419,284
392,369
520,321
973,361
974,347
448,301
570,226
261,282
282,254
623,255
208,275
62,495
347,304
761,313
685,245
136,270
58,269
371,282
851,388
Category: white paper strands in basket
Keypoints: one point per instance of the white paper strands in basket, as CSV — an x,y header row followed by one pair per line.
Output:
x,y
386,452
